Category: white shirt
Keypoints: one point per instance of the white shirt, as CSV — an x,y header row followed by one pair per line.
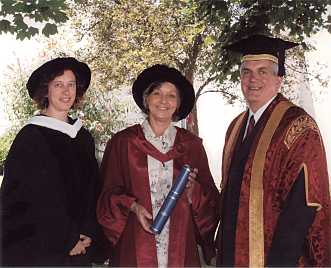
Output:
x,y
257,115
160,181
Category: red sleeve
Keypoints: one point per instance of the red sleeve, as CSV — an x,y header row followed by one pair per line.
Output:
x,y
307,155
114,202
205,205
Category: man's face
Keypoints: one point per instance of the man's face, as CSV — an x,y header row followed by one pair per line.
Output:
x,y
259,82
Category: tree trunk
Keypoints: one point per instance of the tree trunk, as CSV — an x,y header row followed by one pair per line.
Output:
x,y
188,67
192,121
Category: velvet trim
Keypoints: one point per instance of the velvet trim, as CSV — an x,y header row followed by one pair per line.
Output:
x,y
148,149
252,57
256,220
229,147
55,124
138,150
308,202
283,163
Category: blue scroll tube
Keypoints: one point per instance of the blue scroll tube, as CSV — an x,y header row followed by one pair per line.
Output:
x,y
171,199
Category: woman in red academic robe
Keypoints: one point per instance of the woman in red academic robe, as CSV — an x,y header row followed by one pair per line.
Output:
x,y
138,168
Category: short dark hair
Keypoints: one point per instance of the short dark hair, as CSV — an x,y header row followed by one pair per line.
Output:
x,y
156,85
40,96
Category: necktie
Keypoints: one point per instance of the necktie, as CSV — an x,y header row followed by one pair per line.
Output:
x,y
250,125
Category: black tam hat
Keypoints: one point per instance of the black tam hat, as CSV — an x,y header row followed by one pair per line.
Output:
x,y
55,66
163,73
261,47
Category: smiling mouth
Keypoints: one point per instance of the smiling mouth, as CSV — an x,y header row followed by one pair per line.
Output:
x,y
66,100
254,88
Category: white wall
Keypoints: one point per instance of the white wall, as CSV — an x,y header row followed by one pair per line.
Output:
x,y
214,116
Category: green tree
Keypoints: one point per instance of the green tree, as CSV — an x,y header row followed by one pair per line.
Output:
x,y
121,38
18,105
127,36
106,112
5,142
24,18
295,19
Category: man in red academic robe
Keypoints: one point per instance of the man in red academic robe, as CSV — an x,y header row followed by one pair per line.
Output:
x,y
275,189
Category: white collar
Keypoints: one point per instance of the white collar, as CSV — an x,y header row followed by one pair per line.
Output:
x,y
163,142
56,124
257,115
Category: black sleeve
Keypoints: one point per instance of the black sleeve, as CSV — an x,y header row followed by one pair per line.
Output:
x,y
89,222
292,227
99,249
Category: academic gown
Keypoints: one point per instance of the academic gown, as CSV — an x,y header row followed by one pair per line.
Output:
x,y
275,192
48,197
125,174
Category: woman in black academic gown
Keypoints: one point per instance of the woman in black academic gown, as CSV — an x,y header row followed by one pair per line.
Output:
x,y
50,185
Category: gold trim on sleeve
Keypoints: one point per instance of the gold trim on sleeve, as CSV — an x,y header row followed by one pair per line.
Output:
x,y
228,148
309,204
256,222
298,127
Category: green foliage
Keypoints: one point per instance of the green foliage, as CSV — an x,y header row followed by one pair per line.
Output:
x,y
18,105
5,143
124,37
299,18
24,18
295,19
104,113
121,38
127,36
49,29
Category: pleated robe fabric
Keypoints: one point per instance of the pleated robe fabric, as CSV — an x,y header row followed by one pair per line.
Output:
x,y
125,174
295,192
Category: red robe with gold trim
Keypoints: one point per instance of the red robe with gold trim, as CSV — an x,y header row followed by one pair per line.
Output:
x,y
296,200
125,174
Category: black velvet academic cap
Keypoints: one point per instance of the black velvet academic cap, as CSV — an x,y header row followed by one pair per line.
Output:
x,y
55,66
163,73
262,47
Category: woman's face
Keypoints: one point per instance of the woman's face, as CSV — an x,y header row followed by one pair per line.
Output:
x,y
162,102
62,92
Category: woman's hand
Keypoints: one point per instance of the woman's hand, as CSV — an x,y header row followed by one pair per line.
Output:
x,y
143,216
190,184
80,248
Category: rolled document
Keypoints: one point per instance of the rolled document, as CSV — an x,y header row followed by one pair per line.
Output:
x,y
171,199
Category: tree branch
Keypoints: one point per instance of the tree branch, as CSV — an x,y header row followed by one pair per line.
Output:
x,y
220,91
207,81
